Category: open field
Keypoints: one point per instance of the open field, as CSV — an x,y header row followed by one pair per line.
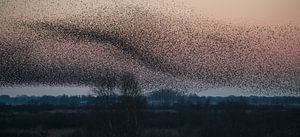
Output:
x,y
222,120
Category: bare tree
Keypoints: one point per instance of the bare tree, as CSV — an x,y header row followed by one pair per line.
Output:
x,y
129,85
105,88
130,99
132,102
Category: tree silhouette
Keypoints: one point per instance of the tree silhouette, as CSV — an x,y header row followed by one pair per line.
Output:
x,y
129,85
132,102
104,89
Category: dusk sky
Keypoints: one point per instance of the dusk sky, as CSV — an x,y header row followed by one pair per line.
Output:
x,y
208,47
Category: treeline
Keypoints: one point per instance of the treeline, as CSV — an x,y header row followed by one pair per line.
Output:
x,y
157,98
126,119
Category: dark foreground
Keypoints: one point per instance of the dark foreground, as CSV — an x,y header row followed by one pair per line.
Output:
x,y
220,120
